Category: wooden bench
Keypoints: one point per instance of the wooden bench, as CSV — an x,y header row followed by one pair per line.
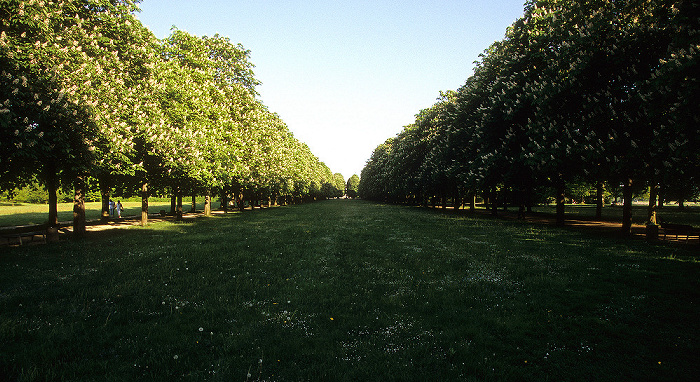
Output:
x,y
22,238
678,230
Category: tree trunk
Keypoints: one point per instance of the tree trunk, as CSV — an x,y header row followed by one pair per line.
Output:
x,y
51,187
224,200
240,202
193,207
173,203
207,203
561,199
144,203
681,204
79,208
105,193
627,207
178,212
494,202
599,200
472,201
651,210
520,199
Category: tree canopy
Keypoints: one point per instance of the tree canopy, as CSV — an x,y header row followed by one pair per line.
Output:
x,y
87,92
597,92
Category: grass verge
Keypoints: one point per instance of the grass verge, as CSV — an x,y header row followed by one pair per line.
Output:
x,y
349,290
30,214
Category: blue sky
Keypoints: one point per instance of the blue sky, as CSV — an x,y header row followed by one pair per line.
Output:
x,y
347,75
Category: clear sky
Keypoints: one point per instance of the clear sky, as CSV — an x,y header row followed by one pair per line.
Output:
x,y
346,75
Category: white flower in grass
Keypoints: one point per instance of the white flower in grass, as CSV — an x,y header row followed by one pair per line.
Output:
x,y
201,329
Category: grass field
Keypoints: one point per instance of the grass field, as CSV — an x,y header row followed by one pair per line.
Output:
x,y
349,290
669,213
29,214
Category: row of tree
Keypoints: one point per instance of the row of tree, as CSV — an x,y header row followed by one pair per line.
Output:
x,y
90,98
597,92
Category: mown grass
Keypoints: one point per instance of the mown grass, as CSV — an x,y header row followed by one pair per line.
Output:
x,y
349,290
669,213
18,214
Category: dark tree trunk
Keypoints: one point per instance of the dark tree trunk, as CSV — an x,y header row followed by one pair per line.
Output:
x,y
494,202
144,203
651,210
627,207
79,228
520,197
173,203
239,201
105,193
193,206
599,200
560,198
51,188
472,201
178,212
681,204
224,200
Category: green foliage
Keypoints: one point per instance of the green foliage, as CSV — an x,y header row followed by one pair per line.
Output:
x,y
576,92
87,90
353,186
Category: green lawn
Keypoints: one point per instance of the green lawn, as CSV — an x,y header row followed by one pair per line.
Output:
x,y
669,213
29,214
349,290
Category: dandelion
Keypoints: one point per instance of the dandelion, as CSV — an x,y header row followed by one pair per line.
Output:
x,y
201,329
175,356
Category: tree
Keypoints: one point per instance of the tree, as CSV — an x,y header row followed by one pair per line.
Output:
x,y
353,186
577,92
70,60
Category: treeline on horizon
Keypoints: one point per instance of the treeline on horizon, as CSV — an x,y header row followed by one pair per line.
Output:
x,y
600,93
91,100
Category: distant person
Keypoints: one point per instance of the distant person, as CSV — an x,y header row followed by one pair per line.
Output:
x,y
111,208
119,209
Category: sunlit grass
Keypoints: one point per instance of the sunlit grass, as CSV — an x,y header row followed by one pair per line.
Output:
x,y
15,214
349,290
669,213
